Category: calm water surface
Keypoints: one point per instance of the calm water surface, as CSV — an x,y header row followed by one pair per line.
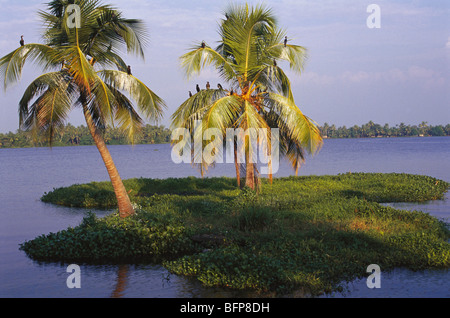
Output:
x,y
26,174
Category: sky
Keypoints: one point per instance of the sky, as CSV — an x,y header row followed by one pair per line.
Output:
x,y
397,73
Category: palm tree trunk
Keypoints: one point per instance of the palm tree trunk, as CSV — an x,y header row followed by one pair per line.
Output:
x,y
270,171
237,165
249,172
123,200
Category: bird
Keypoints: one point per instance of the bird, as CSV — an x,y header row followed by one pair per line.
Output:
x,y
274,62
207,85
190,94
198,88
203,44
129,70
22,42
219,86
231,92
285,41
226,16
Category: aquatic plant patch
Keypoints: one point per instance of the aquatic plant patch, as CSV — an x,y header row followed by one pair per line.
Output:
x,y
300,233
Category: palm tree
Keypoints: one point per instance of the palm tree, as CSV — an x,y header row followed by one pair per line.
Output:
x,y
75,63
259,92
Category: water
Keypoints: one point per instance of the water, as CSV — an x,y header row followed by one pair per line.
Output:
x,y
26,174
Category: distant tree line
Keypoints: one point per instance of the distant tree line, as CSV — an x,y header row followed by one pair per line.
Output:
x,y
80,136
376,130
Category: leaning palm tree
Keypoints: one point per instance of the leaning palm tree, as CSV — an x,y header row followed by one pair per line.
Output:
x,y
75,63
259,93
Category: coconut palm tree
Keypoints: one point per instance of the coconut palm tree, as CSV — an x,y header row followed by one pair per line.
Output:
x,y
258,95
75,64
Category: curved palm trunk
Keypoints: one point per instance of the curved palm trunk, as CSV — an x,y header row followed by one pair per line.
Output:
x,y
123,200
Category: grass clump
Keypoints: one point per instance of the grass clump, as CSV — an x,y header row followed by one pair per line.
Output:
x,y
310,233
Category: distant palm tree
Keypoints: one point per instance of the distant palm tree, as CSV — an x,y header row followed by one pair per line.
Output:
x,y
75,62
259,92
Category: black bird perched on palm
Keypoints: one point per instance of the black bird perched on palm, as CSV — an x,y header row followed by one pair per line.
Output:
x,y
190,94
285,41
207,85
203,44
219,86
129,70
22,42
274,62
198,88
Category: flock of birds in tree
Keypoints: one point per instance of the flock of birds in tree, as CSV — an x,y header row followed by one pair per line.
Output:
x,y
208,86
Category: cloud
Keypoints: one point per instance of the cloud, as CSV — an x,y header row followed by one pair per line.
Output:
x,y
424,77
315,78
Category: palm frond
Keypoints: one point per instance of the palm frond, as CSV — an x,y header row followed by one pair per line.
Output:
x,y
49,111
195,108
300,127
79,67
150,104
128,119
11,65
198,58
41,84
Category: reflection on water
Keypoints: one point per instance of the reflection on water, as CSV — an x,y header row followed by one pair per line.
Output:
x,y
26,174
121,284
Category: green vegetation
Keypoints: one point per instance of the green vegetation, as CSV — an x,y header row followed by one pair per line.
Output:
x,y
376,130
300,233
70,135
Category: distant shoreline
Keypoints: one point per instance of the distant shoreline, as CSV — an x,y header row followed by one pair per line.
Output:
x,y
80,136
165,143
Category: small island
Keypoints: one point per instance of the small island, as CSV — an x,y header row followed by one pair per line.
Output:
x,y
308,233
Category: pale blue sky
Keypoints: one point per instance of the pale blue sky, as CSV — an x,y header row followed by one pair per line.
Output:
x,y
398,73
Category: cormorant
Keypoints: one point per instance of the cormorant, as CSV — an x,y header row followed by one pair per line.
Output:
x,y
203,44
231,92
226,16
274,62
190,94
219,86
129,70
285,41
198,88
22,42
207,85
